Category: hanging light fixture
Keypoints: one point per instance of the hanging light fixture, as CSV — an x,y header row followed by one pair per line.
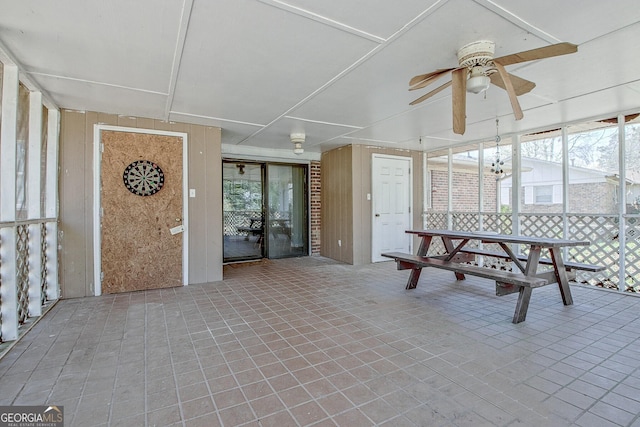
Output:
x,y
297,139
496,167
478,81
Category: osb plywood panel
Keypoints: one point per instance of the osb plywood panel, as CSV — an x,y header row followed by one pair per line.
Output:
x,y
138,249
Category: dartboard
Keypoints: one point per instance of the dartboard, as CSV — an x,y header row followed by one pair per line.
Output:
x,y
143,178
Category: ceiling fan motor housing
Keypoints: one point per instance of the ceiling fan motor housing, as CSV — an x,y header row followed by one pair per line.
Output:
x,y
477,53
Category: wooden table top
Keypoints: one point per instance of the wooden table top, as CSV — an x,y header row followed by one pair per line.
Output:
x,y
492,237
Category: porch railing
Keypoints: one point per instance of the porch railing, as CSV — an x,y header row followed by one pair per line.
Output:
x,y
236,219
28,274
602,230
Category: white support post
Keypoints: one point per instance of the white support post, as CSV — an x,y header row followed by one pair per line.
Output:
x,y
51,196
425,191
53,287
9,288
516,161
8,134
450,189
622,207
34,157
35,266
565,188
480,185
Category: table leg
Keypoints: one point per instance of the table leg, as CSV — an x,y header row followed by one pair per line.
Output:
x,y
524,294
561,275
448,245
415,272
523,304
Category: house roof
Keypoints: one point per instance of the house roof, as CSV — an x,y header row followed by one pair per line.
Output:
x,y
337,70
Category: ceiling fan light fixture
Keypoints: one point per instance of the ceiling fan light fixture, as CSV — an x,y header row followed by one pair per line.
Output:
x,y
477,84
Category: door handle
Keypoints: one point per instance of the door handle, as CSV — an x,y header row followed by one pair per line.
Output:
x,y
178,219
377,214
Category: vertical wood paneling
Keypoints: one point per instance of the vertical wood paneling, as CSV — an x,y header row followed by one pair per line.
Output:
x,y
76,198
212,215
197,205
144,123
91,118
130,122
362,222
337,204
346,212
74,216
105,119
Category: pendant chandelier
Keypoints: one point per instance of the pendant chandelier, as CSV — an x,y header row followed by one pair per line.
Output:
x,y
496,166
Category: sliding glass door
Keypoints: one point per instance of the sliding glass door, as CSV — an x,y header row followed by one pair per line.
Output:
x,y
265,210
287,221
242,194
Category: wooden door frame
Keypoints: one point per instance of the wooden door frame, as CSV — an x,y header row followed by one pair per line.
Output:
x,y
97,202
378,156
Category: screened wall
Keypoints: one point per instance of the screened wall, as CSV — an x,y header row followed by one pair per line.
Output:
x,y
28,204
581,181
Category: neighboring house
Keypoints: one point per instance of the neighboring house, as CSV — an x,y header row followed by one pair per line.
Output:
x,y
590,190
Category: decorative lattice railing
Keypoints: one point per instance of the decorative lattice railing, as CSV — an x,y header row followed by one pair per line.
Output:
x,y
632,253
238,219
22,271
44,268
28,273
235,219
601,230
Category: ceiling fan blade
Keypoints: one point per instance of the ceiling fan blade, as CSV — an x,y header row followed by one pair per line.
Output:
x,y
459,101
515,105
539,53
417,79
430,94
427,79
520,85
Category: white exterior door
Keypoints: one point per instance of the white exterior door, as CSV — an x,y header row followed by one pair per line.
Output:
x,y
392,190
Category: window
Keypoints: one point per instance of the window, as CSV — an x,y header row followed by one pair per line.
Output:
x,y
543,194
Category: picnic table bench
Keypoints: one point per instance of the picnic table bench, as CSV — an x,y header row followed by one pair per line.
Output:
x,y
458,255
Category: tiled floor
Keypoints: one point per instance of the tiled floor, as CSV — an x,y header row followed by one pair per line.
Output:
x,y
309,341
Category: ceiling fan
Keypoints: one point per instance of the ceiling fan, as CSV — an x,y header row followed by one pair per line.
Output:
x,y
477,68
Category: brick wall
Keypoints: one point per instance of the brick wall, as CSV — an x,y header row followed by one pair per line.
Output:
x,y
583,198
465,191
314,172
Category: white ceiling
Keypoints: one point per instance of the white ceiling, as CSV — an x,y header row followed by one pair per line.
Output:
x,y
337,70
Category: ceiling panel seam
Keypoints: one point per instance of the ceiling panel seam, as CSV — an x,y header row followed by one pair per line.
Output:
x,y
516,20
55,76
185,18
323,122
324,20
421,16
216,118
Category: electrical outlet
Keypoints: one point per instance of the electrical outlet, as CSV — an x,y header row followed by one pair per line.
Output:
x,y
339,242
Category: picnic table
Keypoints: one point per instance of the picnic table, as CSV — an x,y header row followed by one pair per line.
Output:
x,y
255,228
458,255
